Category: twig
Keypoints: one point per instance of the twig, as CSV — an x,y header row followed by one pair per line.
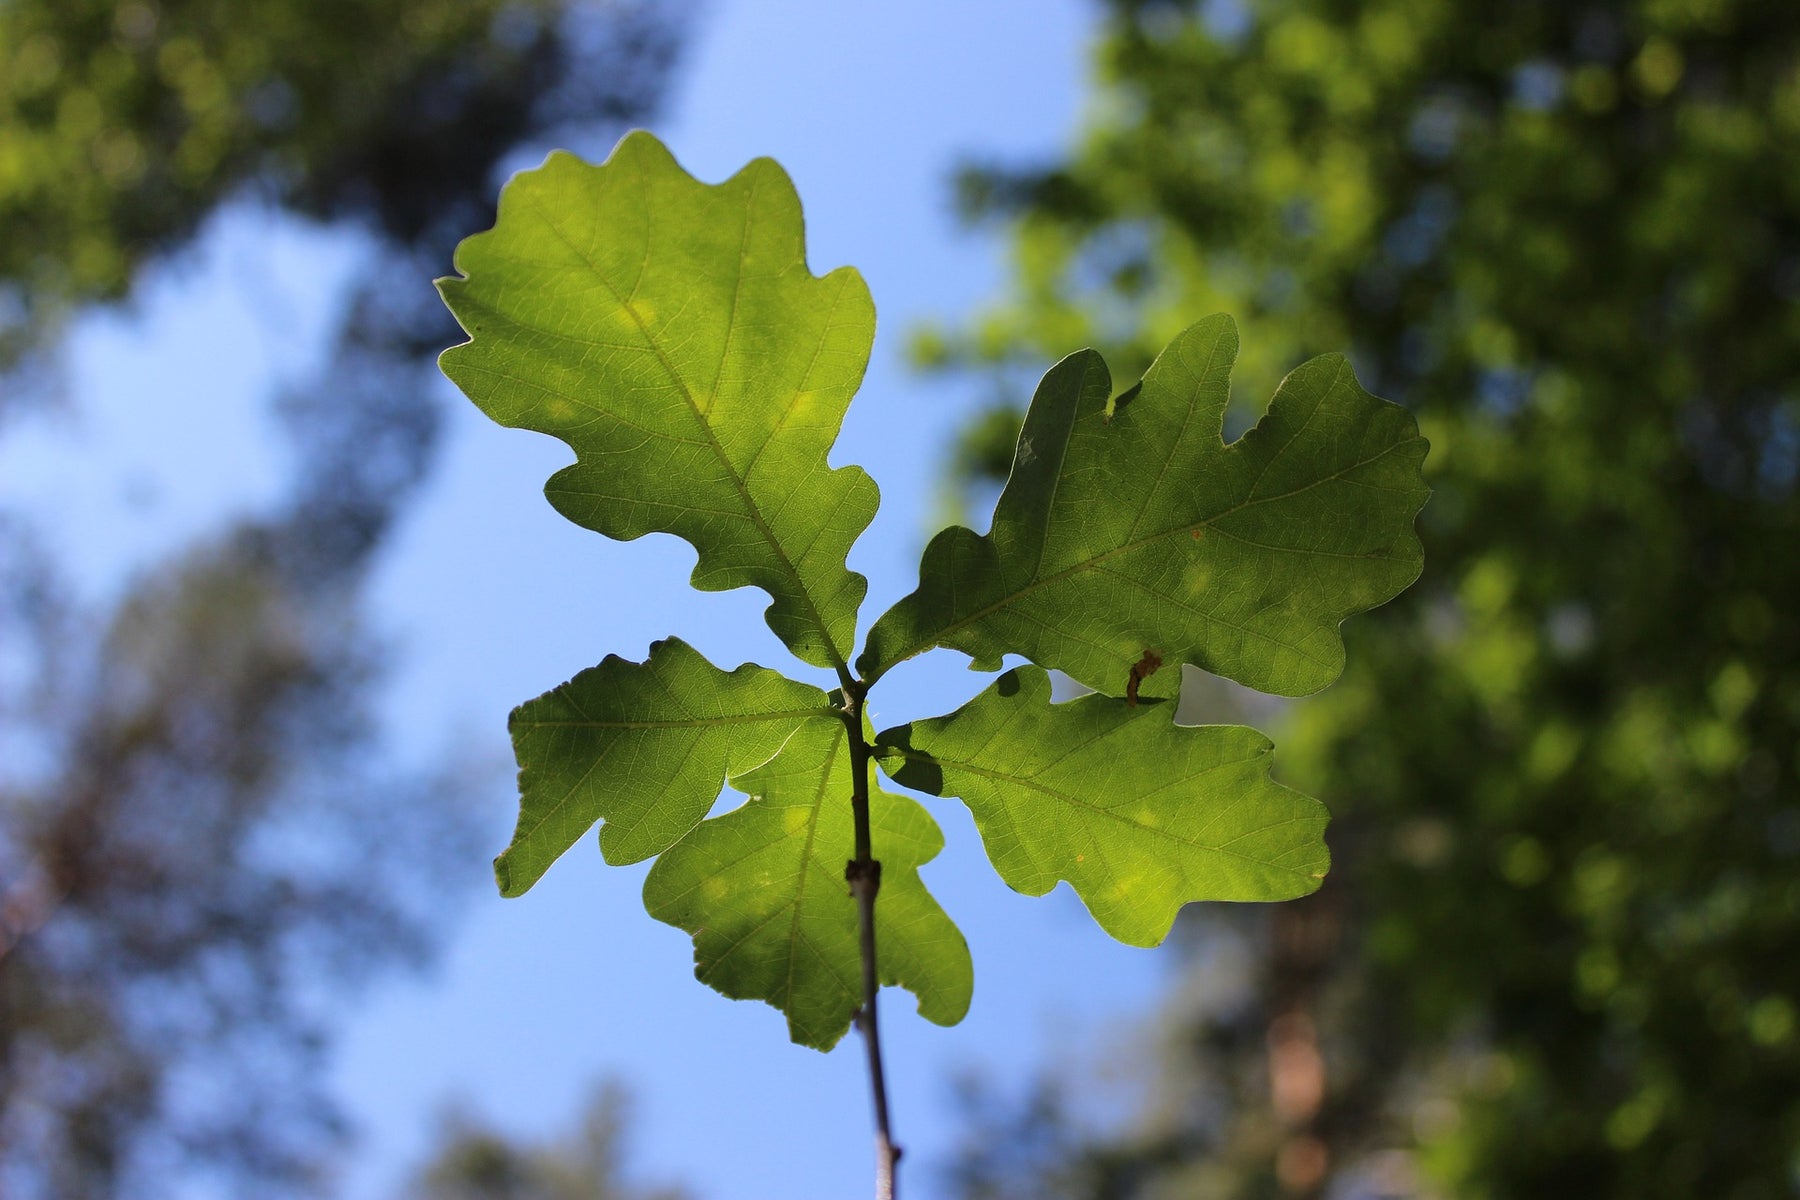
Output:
x,y
863,874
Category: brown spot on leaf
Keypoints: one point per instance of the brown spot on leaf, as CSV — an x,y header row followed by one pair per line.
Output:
x,y
1144,669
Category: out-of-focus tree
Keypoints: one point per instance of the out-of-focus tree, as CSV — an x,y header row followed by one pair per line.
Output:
x,y
199,842
473,1161
123,125
207,850
1554,956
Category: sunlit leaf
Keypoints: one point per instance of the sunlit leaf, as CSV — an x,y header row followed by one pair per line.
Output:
x,y
1131,538
671,333
644,747
1139,814
762,890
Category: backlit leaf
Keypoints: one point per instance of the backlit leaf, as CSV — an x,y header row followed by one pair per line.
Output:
x,y
671,333
644,747
1139,814
762,890
1131,538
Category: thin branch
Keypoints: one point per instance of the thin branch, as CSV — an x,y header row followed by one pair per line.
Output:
x,y
863,873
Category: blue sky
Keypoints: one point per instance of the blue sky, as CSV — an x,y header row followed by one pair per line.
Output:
x,y
489,598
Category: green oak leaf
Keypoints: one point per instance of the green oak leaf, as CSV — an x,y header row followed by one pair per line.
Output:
x,y
644,747
670,332
1131,537
1139,814
762,890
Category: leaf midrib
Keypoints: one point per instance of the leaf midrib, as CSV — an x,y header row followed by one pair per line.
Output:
x,y
795,933
790,907
937,636
839,663
1077,802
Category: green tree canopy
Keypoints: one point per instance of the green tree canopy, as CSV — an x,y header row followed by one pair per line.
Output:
x,y
1567,865
123,125
473,1161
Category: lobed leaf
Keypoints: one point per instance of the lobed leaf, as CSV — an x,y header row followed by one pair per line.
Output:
x,y
762,890
670,332
1139,814
1130,538
644,747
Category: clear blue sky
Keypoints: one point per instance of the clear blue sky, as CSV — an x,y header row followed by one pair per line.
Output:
x,y
491,598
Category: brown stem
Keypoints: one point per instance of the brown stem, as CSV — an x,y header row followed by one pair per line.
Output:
x,y
863,874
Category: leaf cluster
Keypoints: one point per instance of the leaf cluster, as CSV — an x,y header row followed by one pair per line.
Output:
x,y
673,335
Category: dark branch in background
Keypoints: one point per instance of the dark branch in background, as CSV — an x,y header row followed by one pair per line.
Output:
x,y
193,813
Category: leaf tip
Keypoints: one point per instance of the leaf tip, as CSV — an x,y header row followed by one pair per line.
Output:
x,y
636,143
824,1041
506,880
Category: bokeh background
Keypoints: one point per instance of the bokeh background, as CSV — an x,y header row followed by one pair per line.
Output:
x,y
268,588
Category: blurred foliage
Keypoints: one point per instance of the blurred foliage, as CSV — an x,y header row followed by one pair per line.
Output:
x,y
475,1162
1555,954
122,125
199,841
